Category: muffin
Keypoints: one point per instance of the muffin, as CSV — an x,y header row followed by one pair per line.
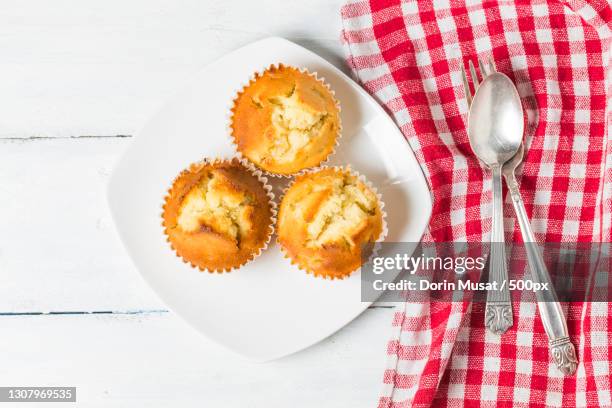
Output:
x,y
285,120
218,215
326,219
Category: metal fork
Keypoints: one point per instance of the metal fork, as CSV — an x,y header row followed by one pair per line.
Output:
x,y
551,313
498,310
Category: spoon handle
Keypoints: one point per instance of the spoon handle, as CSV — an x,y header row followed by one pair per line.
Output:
x,y
553,320
498,311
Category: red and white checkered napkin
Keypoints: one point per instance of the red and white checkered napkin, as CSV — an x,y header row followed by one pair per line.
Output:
x,y
408,54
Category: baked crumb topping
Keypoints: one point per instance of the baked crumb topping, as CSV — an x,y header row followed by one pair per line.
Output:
x,y
216,204
295,122
342,214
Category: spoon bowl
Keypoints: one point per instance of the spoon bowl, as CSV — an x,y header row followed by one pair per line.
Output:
x,y
495,120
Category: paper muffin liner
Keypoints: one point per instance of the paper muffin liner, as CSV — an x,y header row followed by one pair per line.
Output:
x,y
381,205
257,74
271,200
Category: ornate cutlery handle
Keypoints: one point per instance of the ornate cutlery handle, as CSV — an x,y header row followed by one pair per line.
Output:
x,y
498,311
553,320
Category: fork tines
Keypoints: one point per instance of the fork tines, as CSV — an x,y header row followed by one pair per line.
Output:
x,y
485,70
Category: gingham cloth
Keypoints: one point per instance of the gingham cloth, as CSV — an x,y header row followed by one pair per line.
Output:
x,y
408,54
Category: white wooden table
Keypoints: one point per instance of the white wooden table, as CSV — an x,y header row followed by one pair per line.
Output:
x,y
77,78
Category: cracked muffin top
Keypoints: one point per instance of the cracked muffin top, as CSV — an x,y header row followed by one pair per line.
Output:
x,y
325,219
285,121
217,215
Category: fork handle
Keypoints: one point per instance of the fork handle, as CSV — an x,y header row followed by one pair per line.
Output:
x,y
498,310
553,320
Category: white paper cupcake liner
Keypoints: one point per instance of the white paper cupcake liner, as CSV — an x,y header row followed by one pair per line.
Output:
x,y
376,245
252,79
271,200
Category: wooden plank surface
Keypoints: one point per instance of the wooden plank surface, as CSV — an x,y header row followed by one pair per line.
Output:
x,y
74,67
78,76
58,248
156,360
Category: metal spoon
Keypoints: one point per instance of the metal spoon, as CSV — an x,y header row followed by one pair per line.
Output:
x,y
495,130
553,320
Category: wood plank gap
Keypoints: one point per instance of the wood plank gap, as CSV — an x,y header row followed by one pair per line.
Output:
x,y
64,137
116,312
83,312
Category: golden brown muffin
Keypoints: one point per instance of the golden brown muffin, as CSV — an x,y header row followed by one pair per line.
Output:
x,y
324,220
285,120
218,215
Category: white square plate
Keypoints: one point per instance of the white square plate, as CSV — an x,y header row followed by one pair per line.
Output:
x,y
268,308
